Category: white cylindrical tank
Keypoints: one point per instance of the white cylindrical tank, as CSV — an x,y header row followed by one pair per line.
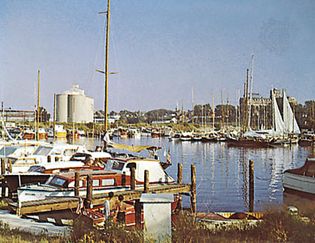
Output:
x,y
80,108
61,107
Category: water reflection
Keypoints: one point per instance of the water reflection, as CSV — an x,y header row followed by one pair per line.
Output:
x,y
222,172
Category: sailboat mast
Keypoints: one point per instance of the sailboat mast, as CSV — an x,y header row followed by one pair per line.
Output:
x,y
38,105
106,65
54,118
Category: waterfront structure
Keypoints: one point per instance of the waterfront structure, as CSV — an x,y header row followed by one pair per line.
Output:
x,y
257,111
74,106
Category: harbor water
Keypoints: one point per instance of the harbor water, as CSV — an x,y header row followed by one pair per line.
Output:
x,y
222,172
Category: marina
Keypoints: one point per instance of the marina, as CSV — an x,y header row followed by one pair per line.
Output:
x,y
110,145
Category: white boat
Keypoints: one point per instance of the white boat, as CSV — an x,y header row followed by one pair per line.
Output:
x,y
17,151
301,180
104,181
46,153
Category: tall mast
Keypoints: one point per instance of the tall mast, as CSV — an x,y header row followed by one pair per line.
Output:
x,y
38,105
54,118
106,64
251,81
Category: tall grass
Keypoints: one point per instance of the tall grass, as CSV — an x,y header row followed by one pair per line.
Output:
x,y
277,226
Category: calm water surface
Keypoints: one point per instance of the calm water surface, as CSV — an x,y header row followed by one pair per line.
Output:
x,y
222,172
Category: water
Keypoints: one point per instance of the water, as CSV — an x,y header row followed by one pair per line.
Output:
x,y
222,172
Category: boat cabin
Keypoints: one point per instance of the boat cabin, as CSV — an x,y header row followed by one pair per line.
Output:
x,y
156,172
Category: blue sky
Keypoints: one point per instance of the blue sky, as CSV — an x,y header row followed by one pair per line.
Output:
x,y
161,49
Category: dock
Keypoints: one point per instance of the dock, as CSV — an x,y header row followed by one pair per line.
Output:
x,y
130,194
64,203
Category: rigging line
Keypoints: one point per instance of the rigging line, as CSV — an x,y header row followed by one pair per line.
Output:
x,y
100,40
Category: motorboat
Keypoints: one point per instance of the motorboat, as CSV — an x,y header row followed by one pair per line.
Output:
x,y
104,181
301,180
46,153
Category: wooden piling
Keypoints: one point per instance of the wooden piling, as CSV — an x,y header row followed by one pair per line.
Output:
x,y
123,179
251,185
76,184
146,181
89,191
180,181
138,209
133,178
2,166
193,194
3,187
9,165
180,173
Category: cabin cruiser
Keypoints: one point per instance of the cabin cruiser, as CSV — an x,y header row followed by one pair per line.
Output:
x,y
47,153
16,151
104,181
301,180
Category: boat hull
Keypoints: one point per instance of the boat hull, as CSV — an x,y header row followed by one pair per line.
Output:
x,y
299,183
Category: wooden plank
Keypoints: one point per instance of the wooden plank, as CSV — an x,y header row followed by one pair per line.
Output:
x,y
63,203
47,207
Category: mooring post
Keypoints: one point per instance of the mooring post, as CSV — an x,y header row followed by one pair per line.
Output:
x,y
123,179
76,184
138,209
146,181
3,188
193,194
133,178
179,181
180,173
2,166
9,165
89,191
251,185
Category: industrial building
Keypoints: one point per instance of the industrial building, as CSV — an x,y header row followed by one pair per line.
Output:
x,y
74,106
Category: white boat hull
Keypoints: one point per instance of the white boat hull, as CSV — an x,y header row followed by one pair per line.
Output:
x,y
41,192
301,183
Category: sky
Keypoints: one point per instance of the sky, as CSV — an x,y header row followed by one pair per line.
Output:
x,y
160,49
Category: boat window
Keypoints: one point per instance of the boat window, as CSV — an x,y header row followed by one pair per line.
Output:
x,y
36,168
115,165
5,151
108,182
96,183
57,181
78,157
41,150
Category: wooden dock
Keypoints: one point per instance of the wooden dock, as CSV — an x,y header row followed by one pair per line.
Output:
x,y
133,193
73,203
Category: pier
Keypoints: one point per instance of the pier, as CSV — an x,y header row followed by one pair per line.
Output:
x,y
134,193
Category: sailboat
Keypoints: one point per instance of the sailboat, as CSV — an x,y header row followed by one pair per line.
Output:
x,y
286,129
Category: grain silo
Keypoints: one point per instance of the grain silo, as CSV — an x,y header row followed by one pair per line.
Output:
x,y
79,107
62,108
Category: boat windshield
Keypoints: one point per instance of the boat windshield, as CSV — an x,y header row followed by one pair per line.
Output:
x,y
115,165
36,168
41,150
6,151
57,181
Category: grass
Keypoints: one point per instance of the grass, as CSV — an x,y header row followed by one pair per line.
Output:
x,y
277,226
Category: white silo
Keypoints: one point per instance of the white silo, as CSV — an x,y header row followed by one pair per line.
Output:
x,y
62,108
80,108
74,106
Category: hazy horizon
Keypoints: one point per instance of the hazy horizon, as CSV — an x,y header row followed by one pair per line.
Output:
x,y
161,50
